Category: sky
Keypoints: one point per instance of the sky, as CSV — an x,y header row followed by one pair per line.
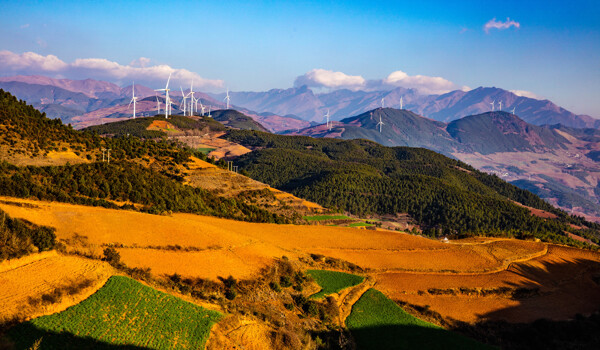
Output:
x,y
543,49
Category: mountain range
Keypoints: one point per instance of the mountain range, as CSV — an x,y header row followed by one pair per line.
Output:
x,y
303,102
281,109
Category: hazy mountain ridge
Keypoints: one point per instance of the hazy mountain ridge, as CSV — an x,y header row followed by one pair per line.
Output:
x,y
301,102
446,107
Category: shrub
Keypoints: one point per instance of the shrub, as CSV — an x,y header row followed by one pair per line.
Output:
x,y
112,256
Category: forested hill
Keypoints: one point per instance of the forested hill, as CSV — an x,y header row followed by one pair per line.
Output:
x,y
144,173
444,195
237,120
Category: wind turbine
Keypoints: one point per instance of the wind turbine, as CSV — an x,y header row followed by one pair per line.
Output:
x,y
401,102
202,108
193,99
327,116
513,111
227,98
133,99
380,124
492,103
500,108
209,111
383,102
168,100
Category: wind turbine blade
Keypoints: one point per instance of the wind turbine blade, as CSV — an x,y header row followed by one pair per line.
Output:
x,y
168,80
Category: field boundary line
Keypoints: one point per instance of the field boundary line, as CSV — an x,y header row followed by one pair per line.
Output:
x,y
13,264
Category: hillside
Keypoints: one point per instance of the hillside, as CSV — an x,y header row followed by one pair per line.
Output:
x,y
501,280
236,120
443,195
72,166
555,162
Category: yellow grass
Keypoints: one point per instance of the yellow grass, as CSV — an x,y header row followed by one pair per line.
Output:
x,y
32,276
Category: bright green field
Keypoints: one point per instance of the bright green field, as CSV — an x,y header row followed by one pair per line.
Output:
x,y
332,281
376,322
123,314
205,150
325,217
359,224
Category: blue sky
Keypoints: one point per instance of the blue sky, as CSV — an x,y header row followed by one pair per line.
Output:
x,y
259,45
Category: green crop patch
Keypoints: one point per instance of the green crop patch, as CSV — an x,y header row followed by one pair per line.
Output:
x,y
376,322
205,150
325,217
332,281
123,314
360,224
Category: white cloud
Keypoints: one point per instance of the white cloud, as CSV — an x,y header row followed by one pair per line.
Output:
x,y
140,62
26,25
321,78
493,24
99,68
425,84
524,93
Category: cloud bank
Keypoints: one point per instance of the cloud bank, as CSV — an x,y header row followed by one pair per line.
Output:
x,y
322,78
525,93
140,70
493,24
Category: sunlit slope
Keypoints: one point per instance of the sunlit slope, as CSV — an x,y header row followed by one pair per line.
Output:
x,y
466,280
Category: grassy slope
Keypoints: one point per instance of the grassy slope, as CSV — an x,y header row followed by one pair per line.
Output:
x,y
332,281
376,322
123,312
443,195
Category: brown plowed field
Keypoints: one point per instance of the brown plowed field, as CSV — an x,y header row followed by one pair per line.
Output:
x,y
43,273
474,278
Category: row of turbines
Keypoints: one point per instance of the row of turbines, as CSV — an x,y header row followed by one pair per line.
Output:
x,y
380,124
500,106
188,108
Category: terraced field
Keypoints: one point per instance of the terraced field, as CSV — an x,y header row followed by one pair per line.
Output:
x,y
25,281
123,312
469,280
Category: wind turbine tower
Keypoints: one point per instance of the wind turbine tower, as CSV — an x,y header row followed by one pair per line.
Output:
x,y
401,102
227,98
327,116
167,100
380,124
492,103
383,102
157,105
500,107
183,98
133,99
513,111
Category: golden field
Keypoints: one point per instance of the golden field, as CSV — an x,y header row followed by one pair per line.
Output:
x,y
477,276
30,277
